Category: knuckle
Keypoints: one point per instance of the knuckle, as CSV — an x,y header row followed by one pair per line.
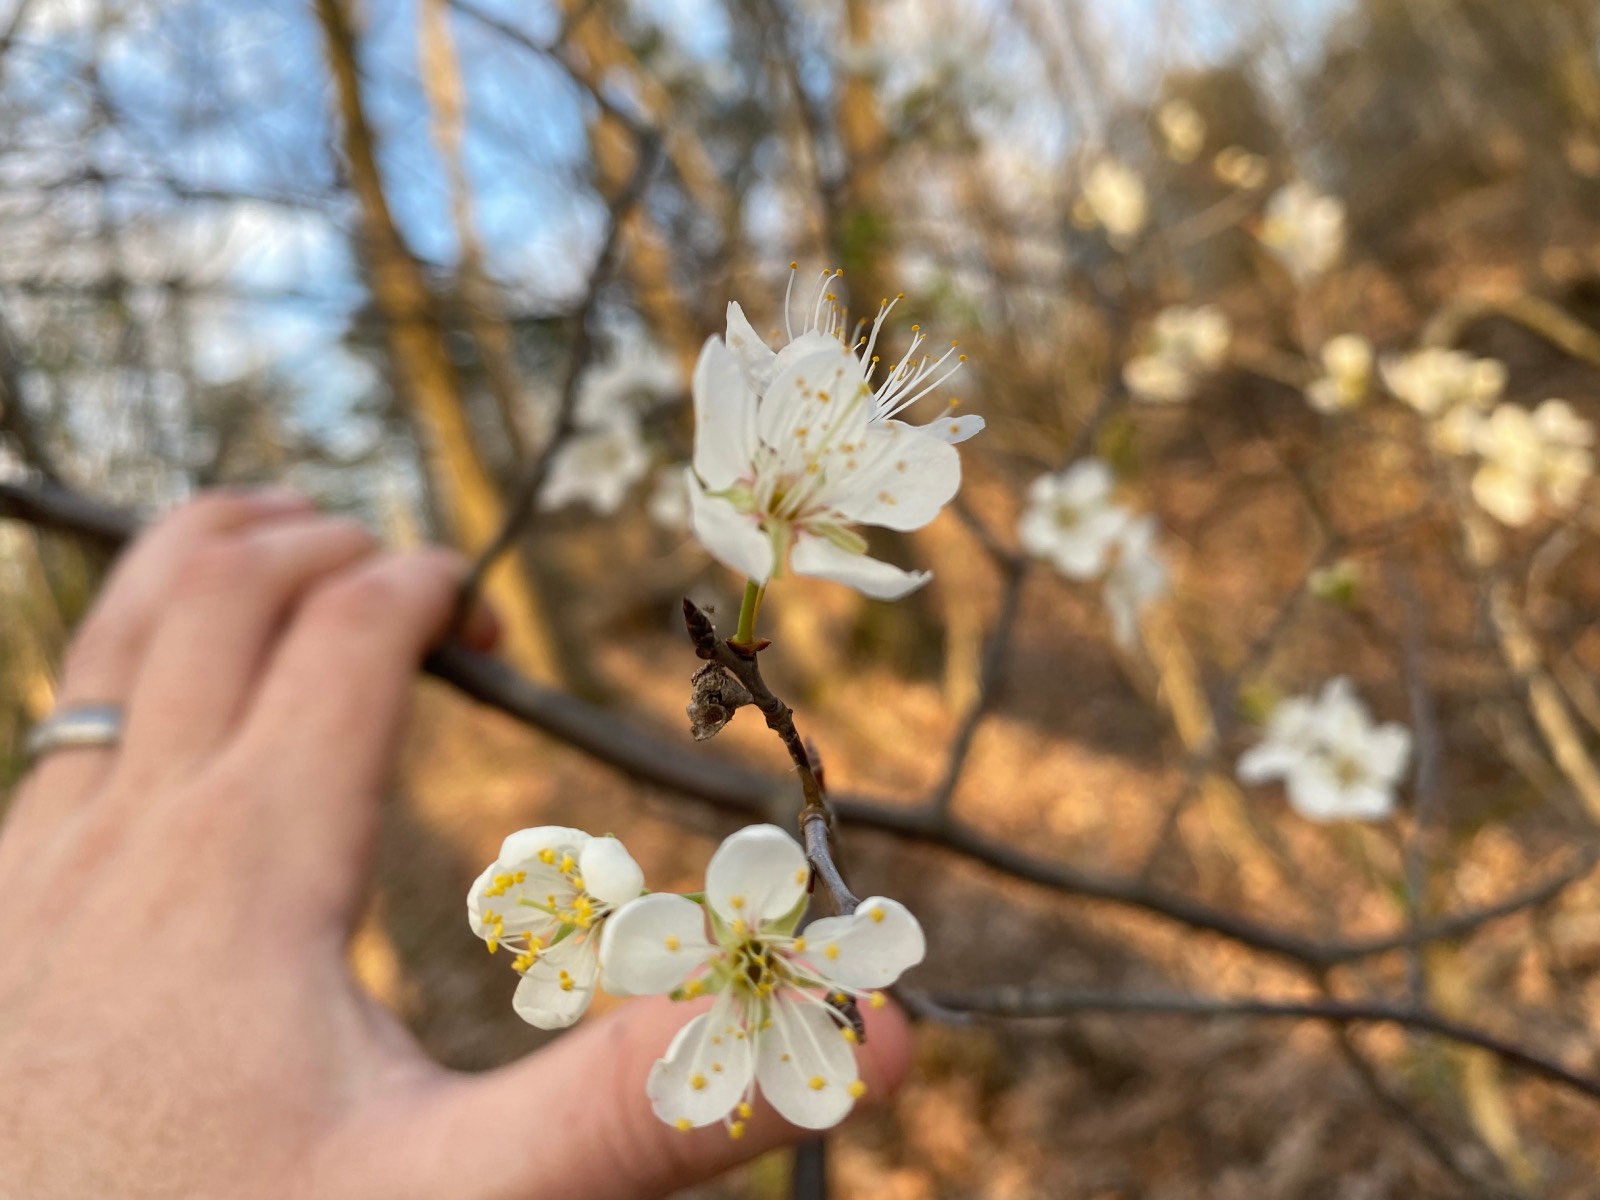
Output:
x,y
355,599
218,565
101,640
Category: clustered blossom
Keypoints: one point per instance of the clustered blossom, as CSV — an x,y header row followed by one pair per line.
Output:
x,y
1114,198
1531,458
1304,228
1073,522
546,897
796,447
1337,764
1183,344
606,454
1346,375
783,1019
1451,389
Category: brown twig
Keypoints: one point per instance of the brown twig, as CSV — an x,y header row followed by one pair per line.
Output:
x,y
1042,1003
651,759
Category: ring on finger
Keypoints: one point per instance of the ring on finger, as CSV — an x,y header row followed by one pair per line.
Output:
x,y
78,727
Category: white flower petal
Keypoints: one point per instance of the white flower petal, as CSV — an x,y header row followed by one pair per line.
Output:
x,y
1085,483
804,1066
724,417
1388,747
820,391
705,1072
954,429
609,873
1270,760
758,874
547,999
522,848
652,945
869,949
901,478
733,538
750,348
869,576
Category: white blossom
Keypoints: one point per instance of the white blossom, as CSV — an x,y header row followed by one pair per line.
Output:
x,y
1336,763
636,376
668,504
1528,457
546,896
1183,130
1071,520
597,466
1183,344
796,447
1115,197
1346,375
777,1020
1452,389
1137,578
1304,228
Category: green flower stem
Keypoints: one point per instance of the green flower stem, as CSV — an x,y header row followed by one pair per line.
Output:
x,y
746,635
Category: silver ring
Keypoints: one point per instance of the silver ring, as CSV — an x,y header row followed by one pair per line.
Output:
x,y
73,728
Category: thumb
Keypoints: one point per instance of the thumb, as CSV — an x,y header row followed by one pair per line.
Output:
x,y
573,1118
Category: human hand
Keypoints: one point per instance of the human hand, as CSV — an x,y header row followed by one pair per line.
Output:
x,y
177,1016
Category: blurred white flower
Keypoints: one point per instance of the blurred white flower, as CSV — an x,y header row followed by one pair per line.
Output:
x,y
1337,582
1183,130
1304,228
1071,520
1237,167
1528,457
1346,375
778,1019
1453,390
1336,763
1138,577
1115,197
668,505
638,375
597,465
546,896
1183,344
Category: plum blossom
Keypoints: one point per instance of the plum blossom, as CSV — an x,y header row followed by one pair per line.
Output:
x,y
1336,762
1183,130
597,465
668,504
796,447
1304,228
777,1021
637,375
1183,344
546,896
1451,389
1115,198
1239,168
1528,457
1346,375
1071,520
1138,577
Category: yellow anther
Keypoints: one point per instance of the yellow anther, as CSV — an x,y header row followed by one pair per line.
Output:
x,y
817,1083
566,982
693,988
672,943
800,875
736,1130
877,1000
878,915
850,1035
745,1110
857,1090
916,329
832,951
716,1068
567,863
740,928
794,266
577,883
697,1082
547,857
899,295
961,358
799,945
683,1124
494,943
520,877
839,271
